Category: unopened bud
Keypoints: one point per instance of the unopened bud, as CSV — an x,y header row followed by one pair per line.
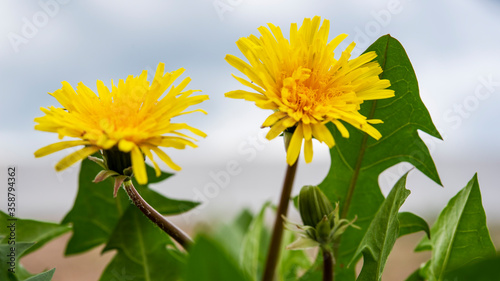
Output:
x,y
313,205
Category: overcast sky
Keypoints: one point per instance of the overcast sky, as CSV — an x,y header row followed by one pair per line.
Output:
x,y
453,45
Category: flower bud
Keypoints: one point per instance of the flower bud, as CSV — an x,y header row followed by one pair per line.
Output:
x,y
313,205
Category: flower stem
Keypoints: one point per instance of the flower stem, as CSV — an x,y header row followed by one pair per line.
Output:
x,y
174,232
275,246
327,265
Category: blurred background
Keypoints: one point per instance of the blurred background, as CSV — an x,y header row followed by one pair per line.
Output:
x,y
453,45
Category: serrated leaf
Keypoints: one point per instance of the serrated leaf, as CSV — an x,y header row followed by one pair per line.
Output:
x,y
357,162
381,234
209,261
95,212
144,251
410,223
460,235
30,231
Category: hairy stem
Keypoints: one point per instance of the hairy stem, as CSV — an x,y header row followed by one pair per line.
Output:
x,y
275,246
174,232
327,265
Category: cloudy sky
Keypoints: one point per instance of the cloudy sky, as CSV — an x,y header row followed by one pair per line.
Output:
x,y
453,45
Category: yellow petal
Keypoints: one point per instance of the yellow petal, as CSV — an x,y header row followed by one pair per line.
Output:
x,y
248,84
180,126
321,133
75,157
165,158
273,118
375,94
125,145
276,129
343,131
289,122
307,131
51,148
244,68
138,166
249,96
370,130
175,142
104,93
192,111
308,150
148,154
295,144
375,121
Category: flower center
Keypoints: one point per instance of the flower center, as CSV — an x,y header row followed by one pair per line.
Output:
x,y
309,93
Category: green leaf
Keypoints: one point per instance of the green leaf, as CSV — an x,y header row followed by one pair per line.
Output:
x,y
30,231
144,251
357,162
96,213
381,234
12,253
484,270
209,261
460,235
253,254
45,276
410,223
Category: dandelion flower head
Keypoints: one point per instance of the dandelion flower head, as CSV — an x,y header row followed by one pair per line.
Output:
x,y
131,118
306,87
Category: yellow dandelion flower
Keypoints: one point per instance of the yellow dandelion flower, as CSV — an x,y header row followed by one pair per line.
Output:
x,y
305,86
129,120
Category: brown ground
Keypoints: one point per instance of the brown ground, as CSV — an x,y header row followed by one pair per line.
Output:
x,y
88,267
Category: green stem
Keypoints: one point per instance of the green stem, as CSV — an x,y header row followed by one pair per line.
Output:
x,y
275,246
328,267
174,232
